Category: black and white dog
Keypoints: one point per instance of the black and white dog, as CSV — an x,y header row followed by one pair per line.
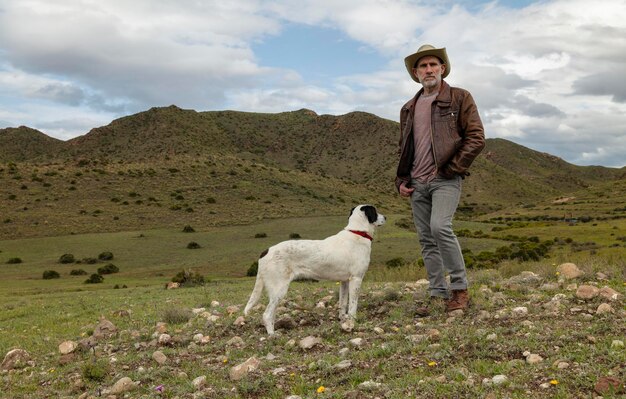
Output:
x,y
343,257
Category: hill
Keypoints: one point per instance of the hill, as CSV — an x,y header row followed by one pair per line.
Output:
x,y
169,166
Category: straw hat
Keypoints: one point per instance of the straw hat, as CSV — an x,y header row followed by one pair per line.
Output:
x,y
423,51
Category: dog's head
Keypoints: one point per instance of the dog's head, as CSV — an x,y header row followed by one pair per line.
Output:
x,y
365,217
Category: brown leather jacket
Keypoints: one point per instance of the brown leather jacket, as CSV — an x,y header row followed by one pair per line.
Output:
x,y
457,134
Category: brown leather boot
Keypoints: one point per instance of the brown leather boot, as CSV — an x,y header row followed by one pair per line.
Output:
x,y
460,300
434,304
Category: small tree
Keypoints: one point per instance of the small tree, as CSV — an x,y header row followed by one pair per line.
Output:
x,y
106,255
253,269
94,279
50,274
67,258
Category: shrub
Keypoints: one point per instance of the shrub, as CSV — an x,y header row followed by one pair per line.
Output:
x,y
105,255
188,229
78,272
260,235
395,262
210,200
187,278
95,371
193,245
14,261
67,258
176,315
108,269
294,236
89,261
253,269
50,274
94,279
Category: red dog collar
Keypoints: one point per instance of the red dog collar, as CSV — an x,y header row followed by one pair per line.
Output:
x,y
362,234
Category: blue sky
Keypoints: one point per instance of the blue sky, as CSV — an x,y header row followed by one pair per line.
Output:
x,y
545,74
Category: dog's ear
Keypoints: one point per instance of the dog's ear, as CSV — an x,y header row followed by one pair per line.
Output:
x,y
370,212
352,210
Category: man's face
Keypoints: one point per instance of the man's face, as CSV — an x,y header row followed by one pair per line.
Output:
x,y
429,71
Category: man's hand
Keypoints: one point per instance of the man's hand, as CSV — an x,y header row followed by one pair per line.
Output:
x,y
405,191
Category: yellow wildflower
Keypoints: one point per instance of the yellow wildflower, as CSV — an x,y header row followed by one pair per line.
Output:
x,y
554,382
432,364
321,389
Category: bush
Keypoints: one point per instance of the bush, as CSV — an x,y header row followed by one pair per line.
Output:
x,y
95,371
294,236
78,272
94,279
395,262
193,245
253,269
108,269
176,315
187,278
188,229
260,235
67,258
50,274
14,261
89,261
105,255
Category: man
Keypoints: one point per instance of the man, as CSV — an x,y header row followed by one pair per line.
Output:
x,y
441,134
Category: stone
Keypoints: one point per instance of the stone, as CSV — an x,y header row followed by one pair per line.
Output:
x,y
159,357
609,293
285,323
562,365
164,339
533,359
242,370
215,304
499,379
491,337
357,342
161,327
348,325
104,329
124,384
343,365
520,311
14,359
172,285
608,385
434,335
587,292
236,341
604,308
617,343
232,309
569,271
67,347
309,342
199,382
456,313
379,330
524,279
369,385
240,321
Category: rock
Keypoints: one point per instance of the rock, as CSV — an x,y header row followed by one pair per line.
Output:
x,y
609,293
524,279
483,315
279,371
533,359
242,370
199,382
14,359
159,357
499,379
520,311
197,311
348,325
343,352
456,313
161,327
67,347
379,330
309,342
240,321
232,309
617,343
236,341
293,397
172,285
492,337
343,365
369,385
417,338
562,365
270,357
605,308
433,335
357,342
609,385
587,292
549,287
285,323
124,384
215,304
569,271
164,339
104,329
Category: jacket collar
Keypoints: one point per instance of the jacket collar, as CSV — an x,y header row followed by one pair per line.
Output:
x,y
444,96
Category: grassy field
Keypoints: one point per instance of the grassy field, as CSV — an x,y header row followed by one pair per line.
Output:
x,y
37,315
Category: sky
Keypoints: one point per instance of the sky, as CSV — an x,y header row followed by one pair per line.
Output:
x,y
548,75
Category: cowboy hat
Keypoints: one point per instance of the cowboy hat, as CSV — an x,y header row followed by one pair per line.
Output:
x,y
423,51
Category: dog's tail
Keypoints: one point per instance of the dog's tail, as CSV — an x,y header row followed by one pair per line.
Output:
x,y
256,294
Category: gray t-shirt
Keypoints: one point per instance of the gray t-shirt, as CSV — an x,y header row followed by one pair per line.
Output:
x,y
424,168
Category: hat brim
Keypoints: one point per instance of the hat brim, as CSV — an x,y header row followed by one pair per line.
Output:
x,y
440,53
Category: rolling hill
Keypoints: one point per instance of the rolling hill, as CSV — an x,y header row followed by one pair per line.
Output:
x,y
168,167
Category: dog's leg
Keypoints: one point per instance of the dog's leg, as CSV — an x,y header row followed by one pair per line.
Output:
x,y
354,287
343,300
276,292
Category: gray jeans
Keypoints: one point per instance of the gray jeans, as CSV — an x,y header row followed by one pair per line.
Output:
x,y
434,204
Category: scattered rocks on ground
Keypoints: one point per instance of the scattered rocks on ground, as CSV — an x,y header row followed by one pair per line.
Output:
x,y
159,357
569,271
605,308
523,280
67,347
15,359
242,370
309,342
123,385
236,341
348,325
606,385
610,294
587,292
199,382
104,329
